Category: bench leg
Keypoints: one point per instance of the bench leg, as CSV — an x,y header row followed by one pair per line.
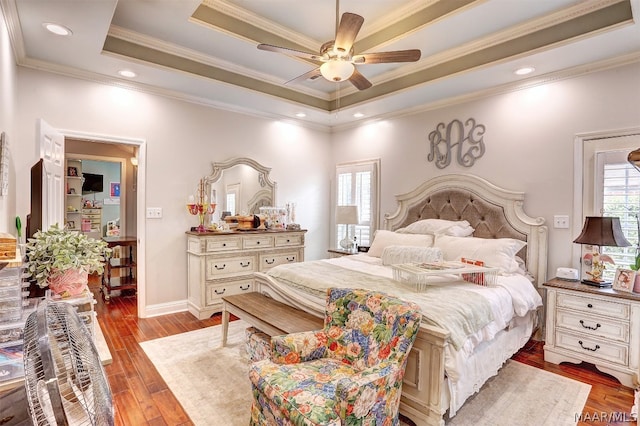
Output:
x,y
225,324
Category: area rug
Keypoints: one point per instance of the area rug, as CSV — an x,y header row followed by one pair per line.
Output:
x,y
212,385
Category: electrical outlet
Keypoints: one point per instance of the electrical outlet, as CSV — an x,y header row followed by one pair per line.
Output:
x,y
561,222
154,212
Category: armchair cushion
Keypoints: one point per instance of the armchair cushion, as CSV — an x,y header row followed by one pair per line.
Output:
x,y
298,347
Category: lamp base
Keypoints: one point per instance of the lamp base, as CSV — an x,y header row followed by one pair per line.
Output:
x,y
601,284
347,244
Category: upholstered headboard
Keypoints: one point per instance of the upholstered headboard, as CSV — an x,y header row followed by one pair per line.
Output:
x,y
492,211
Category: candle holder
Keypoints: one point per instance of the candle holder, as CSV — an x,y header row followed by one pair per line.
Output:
x,y
199,205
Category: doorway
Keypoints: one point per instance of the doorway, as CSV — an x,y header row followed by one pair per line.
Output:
x,y
123,196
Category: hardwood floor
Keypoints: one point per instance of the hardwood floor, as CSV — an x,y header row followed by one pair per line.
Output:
x,y
141,397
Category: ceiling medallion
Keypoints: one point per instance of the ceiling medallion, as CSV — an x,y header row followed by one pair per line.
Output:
x,y
468,138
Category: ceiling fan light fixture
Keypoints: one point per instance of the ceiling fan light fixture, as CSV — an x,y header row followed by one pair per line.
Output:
x,y
337,70
634,158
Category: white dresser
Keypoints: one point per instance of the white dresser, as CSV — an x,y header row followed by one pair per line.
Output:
x,y
599,326
222,264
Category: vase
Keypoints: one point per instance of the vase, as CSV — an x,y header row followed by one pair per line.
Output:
x,y
70,283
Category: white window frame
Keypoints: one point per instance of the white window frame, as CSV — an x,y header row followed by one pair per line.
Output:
x,y
592,152
338,230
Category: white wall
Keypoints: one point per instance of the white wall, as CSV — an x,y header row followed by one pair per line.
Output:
x,y
183,140
8,73
529,143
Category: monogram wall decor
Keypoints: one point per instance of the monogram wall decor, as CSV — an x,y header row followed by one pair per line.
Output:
x,y
468,138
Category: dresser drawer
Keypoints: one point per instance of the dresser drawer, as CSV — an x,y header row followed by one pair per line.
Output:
x,y
268,261
594,306
593,347
257,241
215,291
289,240
221,267
593,326
222,244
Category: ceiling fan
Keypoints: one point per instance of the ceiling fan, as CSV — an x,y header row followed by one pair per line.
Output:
x,y
337,56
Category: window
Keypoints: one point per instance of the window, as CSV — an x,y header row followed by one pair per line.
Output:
x,y
611,187
619,195
357,184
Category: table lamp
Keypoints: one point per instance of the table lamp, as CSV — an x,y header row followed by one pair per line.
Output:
x,y
600,231
347,215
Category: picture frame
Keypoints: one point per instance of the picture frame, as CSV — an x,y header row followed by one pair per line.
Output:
x,y
72,171
71,224
624,280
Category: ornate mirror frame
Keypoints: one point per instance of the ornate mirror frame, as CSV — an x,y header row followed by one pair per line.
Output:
x,y
266,196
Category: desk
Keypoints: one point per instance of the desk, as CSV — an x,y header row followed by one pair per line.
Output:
x,y
125,263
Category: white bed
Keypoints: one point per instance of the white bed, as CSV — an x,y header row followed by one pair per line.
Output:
x,y
444,369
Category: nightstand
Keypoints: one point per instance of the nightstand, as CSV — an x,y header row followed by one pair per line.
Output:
x,y
339,253
596,325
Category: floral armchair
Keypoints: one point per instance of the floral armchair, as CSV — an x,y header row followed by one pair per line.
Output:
x,y
349,373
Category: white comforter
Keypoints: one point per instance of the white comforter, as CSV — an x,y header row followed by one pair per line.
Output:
x,y
510,299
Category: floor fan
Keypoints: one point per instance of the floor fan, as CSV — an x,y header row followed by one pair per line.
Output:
x,y
65,383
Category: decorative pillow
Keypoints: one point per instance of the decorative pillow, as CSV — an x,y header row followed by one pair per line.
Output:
x,y
394,255
497,253
383,238
460,228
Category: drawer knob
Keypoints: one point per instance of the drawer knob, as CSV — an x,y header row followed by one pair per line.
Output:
x,y
247,287
587,348
221,291
288,240
291,259
589,305
224,244
589,327
244,265
220,268
270,262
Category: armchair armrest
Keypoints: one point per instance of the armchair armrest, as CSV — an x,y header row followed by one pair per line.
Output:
x,y
298,347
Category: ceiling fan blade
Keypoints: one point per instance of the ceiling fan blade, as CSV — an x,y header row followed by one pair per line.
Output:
x,y
347,31
311,75
411,55
359,80
291,52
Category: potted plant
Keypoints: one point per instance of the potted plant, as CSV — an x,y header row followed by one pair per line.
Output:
x,y
62,260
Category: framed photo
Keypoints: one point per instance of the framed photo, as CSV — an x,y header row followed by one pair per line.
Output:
x,y
71,224
72,171
624,280
114,189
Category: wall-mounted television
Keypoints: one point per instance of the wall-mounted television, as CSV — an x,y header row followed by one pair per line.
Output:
x,y
92,183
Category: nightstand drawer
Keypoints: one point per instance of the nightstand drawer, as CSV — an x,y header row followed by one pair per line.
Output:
x,y
594,306
593,326
593,347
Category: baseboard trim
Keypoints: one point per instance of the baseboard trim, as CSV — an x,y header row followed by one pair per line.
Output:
x,y
165,308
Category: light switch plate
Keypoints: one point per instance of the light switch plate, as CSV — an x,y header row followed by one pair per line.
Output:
x,y
154,212
561,222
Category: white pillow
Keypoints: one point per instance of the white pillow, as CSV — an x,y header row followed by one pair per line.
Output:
x,y
395,255
460,228
383,238
497,253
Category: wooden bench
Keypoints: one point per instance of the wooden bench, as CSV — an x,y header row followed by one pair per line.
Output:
x,y
266,314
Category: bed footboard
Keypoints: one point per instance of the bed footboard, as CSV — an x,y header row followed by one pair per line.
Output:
x,y
423,382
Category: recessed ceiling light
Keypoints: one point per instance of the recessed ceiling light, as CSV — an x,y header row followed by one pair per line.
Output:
x,y
301,115
127,73
524,70
358,115
57,29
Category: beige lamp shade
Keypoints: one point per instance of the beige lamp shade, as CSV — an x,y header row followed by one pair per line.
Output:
x,y
347,215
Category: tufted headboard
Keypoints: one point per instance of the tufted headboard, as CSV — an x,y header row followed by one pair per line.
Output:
x,y
492,211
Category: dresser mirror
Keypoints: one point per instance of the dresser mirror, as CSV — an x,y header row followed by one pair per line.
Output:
x,y
240,186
